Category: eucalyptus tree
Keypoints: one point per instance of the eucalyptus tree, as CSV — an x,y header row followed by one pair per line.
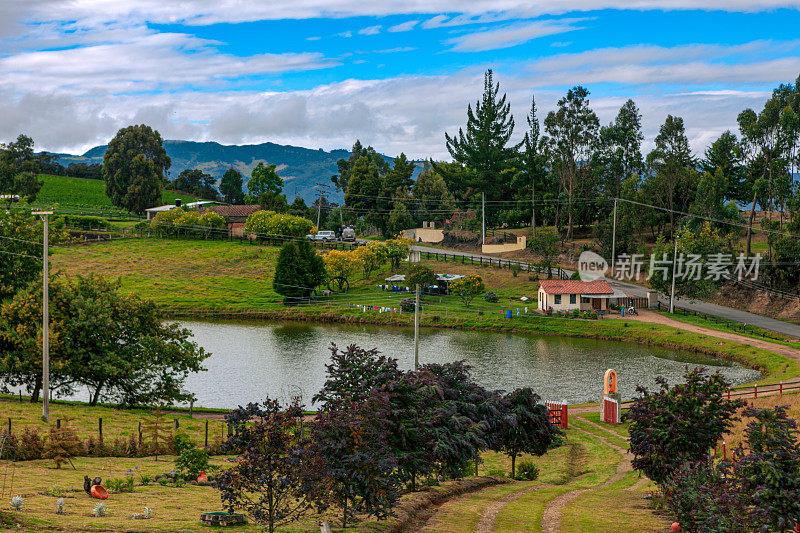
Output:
x,y
133,168
573,129
672,179
18,166
766,142
619,151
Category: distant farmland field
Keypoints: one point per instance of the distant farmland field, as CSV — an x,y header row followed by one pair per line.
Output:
x,y
89,196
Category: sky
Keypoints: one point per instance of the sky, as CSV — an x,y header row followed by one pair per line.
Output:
x,y
394,74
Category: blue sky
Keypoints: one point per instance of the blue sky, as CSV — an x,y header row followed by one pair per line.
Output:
x,y
395,74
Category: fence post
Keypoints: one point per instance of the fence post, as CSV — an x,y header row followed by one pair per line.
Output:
x,y
564,415
729,395
176,423
755,391
206,433
780,389
58,423
100,427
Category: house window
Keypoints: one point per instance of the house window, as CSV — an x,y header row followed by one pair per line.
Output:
x,y
572,298
584,300
556,299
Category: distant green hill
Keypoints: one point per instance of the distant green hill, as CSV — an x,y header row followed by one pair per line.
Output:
x,y
301,168
76,195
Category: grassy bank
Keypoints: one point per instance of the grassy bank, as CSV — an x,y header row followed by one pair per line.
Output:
x,y
193,278
77,194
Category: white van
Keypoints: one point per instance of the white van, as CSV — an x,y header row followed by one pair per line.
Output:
x,y
323,235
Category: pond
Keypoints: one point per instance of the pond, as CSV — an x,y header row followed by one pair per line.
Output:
x,y
254,359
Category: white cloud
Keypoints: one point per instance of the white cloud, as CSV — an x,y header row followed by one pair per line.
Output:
x,y
394,50
403,26
201,12
696,65
408,114
511,35
150,62
345,34
370,30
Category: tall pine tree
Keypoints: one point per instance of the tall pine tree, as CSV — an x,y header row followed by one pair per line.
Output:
x,y
484,147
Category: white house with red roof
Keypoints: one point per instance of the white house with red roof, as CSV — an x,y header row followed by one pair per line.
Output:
x,y
569,294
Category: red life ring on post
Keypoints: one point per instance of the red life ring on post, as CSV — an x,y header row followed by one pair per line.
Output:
x,y
610,382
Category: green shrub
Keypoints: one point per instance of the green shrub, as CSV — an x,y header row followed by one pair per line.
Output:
x,y
491,297
496,471
55,491
120,484
272,223
515,269
181,442
527,471
191,462
144,479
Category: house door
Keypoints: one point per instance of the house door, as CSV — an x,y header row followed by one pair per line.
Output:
x,y
596,304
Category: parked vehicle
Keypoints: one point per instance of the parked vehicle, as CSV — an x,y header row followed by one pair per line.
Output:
x,y
323,235
349,234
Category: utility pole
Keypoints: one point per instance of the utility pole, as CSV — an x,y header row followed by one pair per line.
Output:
x,y
533,208
672,289
483,219
416,329
614,239
319,201
46,319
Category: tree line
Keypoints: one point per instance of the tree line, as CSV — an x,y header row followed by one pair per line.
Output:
x,y
378,431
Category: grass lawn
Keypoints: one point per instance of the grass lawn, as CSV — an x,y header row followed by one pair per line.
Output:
x,y
76,195
117,423
720,324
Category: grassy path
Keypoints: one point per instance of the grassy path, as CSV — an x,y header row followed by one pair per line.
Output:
x,y
585,485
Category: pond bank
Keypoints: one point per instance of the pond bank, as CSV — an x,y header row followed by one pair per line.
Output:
x,y
773,364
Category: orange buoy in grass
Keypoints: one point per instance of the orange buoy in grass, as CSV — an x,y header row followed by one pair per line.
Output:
x,y
676,527
99,492
202,477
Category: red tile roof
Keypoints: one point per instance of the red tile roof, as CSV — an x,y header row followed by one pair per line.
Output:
x,y
234,211
574,286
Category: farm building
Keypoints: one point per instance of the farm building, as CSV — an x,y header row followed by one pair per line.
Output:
x,y
153,211
235,216
566,295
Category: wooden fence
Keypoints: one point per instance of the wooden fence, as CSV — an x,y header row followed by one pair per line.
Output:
x,y
491,261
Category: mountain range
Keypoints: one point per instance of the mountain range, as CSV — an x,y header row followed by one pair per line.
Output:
x,y
300,168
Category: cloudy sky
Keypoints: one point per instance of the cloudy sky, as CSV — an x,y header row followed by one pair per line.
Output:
x,y
395,74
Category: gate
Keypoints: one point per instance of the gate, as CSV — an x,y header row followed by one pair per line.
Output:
x,y
559,415
610,411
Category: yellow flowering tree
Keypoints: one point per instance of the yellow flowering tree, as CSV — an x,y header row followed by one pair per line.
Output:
x,y
397,250
467,288
371,257
340,266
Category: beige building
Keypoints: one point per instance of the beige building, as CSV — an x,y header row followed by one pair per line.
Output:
x,y
569,294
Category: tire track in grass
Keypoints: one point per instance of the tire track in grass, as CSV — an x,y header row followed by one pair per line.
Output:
x,y
489,514
551,518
